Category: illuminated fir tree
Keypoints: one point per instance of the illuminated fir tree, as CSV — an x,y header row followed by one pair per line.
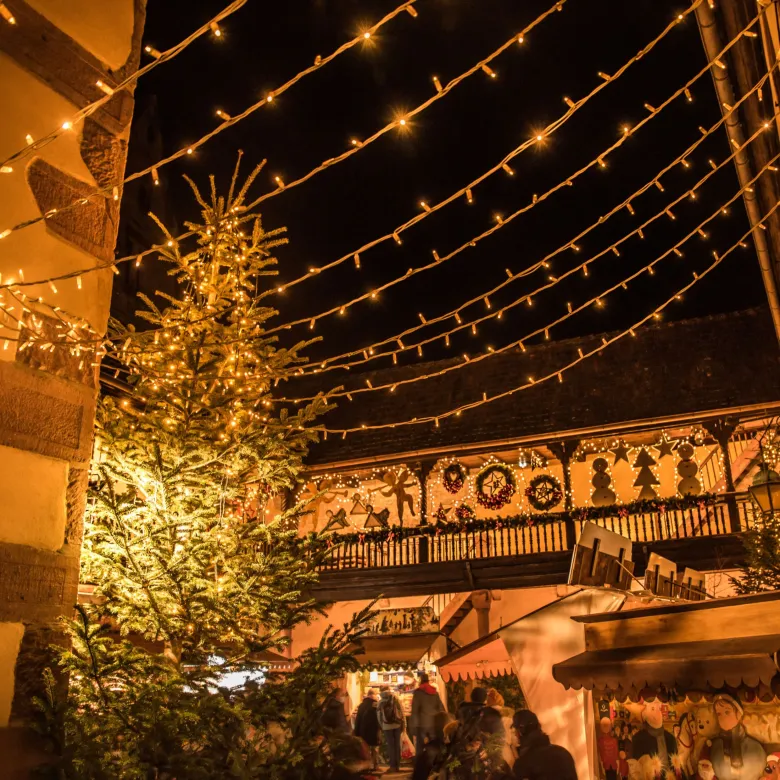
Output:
x,y
185,570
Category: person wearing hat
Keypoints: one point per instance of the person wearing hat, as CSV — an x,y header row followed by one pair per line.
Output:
x,y
426,704
537,758
735,754
367,722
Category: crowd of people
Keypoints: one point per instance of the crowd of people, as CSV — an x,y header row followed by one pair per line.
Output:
x,y
483,740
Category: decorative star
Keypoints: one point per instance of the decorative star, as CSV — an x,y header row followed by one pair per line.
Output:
x,y
620,452
664,447
493,483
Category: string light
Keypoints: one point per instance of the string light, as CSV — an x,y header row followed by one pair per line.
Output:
x,y
158,59
596,300
6,14
557,373
233,120
572,244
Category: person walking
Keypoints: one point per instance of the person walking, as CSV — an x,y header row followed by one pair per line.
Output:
x,y
537,758
392,721
367,723
469,711
426,703
334,715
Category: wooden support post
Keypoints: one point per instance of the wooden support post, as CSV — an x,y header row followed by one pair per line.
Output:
x,y
563,450
721,430
423,470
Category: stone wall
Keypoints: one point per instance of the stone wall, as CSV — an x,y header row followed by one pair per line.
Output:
x,y
50,61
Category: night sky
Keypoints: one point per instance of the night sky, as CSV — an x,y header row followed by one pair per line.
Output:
x,y
451,143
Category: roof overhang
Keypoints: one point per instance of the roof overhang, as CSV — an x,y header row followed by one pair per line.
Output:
x,y
487,657
394,651
685,666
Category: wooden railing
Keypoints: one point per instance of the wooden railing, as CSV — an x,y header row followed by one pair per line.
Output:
x,y
442,545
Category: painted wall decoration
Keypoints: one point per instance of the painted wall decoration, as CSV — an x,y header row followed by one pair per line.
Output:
x,y
646,477
412,620
720,736
687,468
602,494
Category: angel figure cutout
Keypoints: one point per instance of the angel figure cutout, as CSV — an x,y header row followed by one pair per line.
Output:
x,y
397,485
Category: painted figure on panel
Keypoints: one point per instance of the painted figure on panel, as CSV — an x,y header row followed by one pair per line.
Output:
x,y
735,754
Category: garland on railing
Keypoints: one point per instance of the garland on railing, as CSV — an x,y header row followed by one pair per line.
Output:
x,y
526,520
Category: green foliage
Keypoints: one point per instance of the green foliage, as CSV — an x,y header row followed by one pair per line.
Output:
x,y
189,581
761,570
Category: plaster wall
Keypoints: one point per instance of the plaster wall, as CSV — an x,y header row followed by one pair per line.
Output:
x,y
10,639
33,489
104,28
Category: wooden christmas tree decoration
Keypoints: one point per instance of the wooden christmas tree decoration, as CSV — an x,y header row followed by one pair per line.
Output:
x,y
646,478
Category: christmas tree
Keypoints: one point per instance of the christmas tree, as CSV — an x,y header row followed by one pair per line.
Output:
x,y
190,582
761,569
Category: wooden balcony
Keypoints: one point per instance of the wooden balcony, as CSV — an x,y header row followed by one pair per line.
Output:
x,y
433,559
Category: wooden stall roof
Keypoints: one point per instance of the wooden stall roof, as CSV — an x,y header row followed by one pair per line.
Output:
x,y
599,394
699,665
486,657
400,648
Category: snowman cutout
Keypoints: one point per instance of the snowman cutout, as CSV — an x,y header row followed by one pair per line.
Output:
x,y
687,468
603,495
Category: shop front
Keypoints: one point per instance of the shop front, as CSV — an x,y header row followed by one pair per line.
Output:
x,y
399,645
687,689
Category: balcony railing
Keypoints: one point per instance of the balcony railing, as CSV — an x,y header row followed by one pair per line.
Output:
x,y
440,544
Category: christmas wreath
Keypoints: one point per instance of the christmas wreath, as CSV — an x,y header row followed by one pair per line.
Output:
x,y
495,485
465,513
544,492
453,478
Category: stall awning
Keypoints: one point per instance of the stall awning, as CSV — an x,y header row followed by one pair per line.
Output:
x,y
386,651
487,657
274,662
683,665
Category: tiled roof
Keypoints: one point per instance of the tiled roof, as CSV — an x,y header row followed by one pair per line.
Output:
x,y
689,367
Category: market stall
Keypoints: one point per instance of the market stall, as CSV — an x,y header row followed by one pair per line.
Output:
x,y
685,689
528,647
400,644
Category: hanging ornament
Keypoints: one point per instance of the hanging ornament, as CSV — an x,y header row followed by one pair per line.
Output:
x,y
603,495
544,492
453,478
495,485
687,468
646,478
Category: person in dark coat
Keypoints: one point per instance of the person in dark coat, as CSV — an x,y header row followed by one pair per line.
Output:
x,y
367,722
334,716
426,704
469,711
434,752
537,758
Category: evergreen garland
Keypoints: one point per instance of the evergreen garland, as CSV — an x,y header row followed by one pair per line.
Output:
x,y
527,519
453,478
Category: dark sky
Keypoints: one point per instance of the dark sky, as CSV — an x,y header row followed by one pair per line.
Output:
x,y
453,142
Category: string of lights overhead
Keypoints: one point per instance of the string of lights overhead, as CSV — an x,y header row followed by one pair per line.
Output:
x,y
228,121
370,352
595,300
341,308
558,373
355,145
108,91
